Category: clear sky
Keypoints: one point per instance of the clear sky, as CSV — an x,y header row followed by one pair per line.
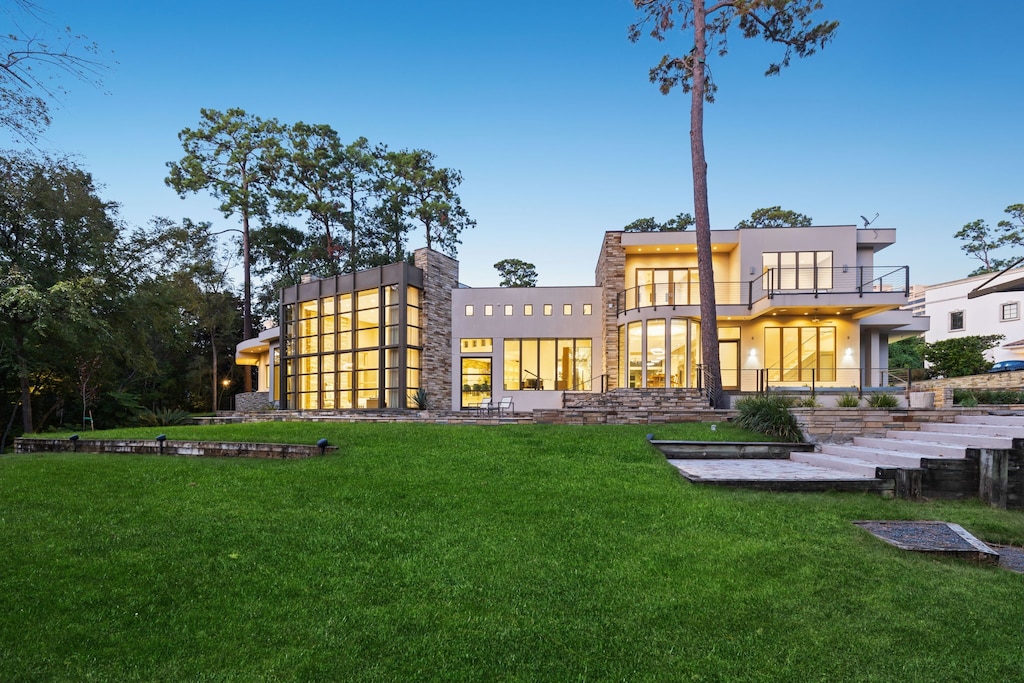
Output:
x,y
914,112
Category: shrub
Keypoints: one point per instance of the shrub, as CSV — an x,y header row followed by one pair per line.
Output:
x,y
420,399
164,417
987,397
809,402
768,415
968,401
883,401
848,401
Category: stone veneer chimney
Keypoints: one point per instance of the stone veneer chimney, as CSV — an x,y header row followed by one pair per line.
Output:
x,y
440,277
610,275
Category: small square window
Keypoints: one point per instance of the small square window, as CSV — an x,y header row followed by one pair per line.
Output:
x,y
566,309
588,309
488,309
527,309
469,309
1010,311
956,321
508,309
547,309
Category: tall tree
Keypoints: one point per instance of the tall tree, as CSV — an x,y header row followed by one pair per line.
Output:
x,y
34,56
231,155
705,26
980,240
428,195
681,222
60,265
516,273
775,217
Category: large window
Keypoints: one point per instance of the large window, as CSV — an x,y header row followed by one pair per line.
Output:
x,y
666,286
547,364
798,269
659,353
476,381
353,349
800,354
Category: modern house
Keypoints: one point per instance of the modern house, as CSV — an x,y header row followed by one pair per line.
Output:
x,y
979,305
796,307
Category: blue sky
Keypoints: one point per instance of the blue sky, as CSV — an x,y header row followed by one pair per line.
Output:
x,y
914,112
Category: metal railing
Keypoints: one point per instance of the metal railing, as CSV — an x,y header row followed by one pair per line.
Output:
x,y
810,281
854,380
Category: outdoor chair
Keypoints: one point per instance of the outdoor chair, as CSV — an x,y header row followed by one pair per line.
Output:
x,y
484,406
505,405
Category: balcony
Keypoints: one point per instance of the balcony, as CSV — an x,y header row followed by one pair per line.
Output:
x,y
866,286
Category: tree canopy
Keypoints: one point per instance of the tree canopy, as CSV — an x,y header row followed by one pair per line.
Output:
x,y
960,356
516,273
980,240
704,30
681,221
775,217
34,58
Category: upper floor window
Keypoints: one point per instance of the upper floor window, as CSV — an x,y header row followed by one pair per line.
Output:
x,y
956,321
566,309
1010,311
547,309
488,309
587,309
527,309
469,310
797,269
508,309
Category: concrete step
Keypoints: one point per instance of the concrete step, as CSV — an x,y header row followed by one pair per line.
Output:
x,y
1001,420
835,462
979,429
919,449
961,439
877,456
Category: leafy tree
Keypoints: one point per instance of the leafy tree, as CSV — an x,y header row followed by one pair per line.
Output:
x,y
516,273
960,356
775,217
907,353
426,194
980,240
31,61
193,273
681,222
705,29
62,268
231,155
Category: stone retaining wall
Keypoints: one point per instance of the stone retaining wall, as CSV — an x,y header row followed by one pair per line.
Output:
x,y
252,402
993,381
840,425
201,449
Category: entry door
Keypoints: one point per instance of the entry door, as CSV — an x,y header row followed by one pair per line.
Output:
x,y
729,356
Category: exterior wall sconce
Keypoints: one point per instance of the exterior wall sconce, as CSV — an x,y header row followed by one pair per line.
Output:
x,y
844,267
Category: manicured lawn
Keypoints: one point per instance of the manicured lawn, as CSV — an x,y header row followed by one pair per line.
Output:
x,y
426,552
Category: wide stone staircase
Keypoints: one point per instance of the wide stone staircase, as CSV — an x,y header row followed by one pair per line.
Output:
x,y
940,460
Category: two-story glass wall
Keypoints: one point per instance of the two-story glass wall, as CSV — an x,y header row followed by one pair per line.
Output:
x,y
353,341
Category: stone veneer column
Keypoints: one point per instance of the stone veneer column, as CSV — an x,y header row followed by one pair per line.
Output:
x,y
610,276
440,277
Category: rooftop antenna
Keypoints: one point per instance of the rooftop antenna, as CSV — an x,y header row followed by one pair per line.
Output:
x,y
869,222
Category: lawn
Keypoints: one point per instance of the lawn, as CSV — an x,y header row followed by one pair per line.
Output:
x,y
514,553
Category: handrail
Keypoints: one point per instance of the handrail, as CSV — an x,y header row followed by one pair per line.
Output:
x,y
811,280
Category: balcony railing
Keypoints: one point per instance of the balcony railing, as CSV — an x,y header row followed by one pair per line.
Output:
x,y
810,281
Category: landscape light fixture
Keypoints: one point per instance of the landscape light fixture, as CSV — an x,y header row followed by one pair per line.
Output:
x,y
74,442
322,443
160,441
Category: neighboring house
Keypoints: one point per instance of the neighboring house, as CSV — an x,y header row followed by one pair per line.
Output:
x,y
979,305
796,307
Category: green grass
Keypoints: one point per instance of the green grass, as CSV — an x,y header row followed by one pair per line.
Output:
x,y
521,553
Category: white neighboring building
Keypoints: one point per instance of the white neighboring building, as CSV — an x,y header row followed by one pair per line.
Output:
x,y
995,308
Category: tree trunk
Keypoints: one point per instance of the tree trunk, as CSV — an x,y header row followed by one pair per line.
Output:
x,y
246,304
26,388
216,383
711,366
